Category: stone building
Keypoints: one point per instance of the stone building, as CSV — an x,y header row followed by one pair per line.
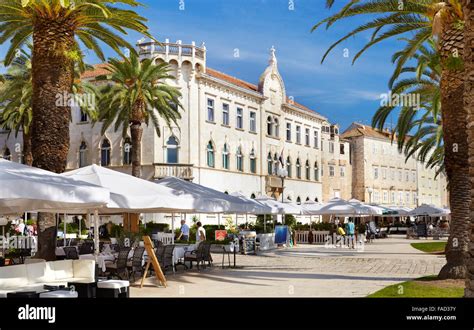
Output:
x,y
383,175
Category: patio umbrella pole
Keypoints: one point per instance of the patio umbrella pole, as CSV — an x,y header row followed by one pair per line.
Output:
x,y
265,223
219,220
80,232
64,234
172,227
96,232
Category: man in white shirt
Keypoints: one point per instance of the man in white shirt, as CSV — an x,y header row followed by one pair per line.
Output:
x,y
184,231
200,233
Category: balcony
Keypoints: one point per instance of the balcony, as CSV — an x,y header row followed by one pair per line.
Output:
x,y
182,171
273,182
167,48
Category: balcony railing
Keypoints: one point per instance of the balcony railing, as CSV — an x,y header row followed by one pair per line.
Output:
x,y
182,171
168,48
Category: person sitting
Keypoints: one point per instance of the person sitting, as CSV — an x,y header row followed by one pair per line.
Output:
x,y
184,231
200,233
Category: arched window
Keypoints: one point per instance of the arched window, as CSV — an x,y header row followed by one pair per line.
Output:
x,y
276,164
210,155
316,171
276,129
288,166
307,199
127,151
316,200
240,160
308,170
252,196
269,164
253,162
7,155
105,153
269,126
225,157
298,200
83,154
298,168
172,150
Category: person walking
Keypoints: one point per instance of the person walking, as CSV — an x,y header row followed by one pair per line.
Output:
x,y
350,232
184,231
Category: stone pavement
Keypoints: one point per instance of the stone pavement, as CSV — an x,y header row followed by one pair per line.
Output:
x,y
303,271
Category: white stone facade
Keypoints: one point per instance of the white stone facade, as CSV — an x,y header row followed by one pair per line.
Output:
x,y
232,134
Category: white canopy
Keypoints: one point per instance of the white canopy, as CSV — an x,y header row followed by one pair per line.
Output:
x,y
340,207
401,210
279,207
430,210
207,200
366,208
262,209
24,188
131,194
309,207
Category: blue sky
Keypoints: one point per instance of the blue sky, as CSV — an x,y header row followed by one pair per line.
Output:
x,y
337,89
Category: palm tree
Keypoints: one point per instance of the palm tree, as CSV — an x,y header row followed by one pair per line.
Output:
x,y
469,107
137,95
425,120
15,102
15,98
420,19
58,29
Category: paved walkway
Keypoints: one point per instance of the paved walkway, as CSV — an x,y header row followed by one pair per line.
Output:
x,y
304,271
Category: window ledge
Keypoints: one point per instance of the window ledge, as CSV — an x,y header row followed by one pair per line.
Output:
x,y
224,125
210,122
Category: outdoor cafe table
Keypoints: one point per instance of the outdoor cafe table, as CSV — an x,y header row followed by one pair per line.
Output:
x,y
100,259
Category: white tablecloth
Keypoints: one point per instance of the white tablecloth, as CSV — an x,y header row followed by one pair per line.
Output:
x,y
100,259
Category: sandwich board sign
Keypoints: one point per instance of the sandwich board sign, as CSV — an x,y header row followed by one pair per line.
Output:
x,y
152,260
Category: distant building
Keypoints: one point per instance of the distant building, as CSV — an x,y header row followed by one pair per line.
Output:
x,y
382,175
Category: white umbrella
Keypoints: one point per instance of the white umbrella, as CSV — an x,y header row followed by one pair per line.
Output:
x,y
279,207
259,207
129,194
366,208
401,210
24,188
207,200
309,207
340,207
430,210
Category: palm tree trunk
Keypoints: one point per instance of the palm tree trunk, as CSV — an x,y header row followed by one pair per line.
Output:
x,y
52,79
456,154
469,107
136,131
27,153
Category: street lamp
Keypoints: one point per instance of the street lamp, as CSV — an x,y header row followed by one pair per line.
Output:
x,y
370,191
282,173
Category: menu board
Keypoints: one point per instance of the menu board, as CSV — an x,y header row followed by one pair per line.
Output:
x,y
220,235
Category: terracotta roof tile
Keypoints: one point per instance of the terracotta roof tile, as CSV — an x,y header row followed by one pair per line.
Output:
x,y
232,80
358,129
98,69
